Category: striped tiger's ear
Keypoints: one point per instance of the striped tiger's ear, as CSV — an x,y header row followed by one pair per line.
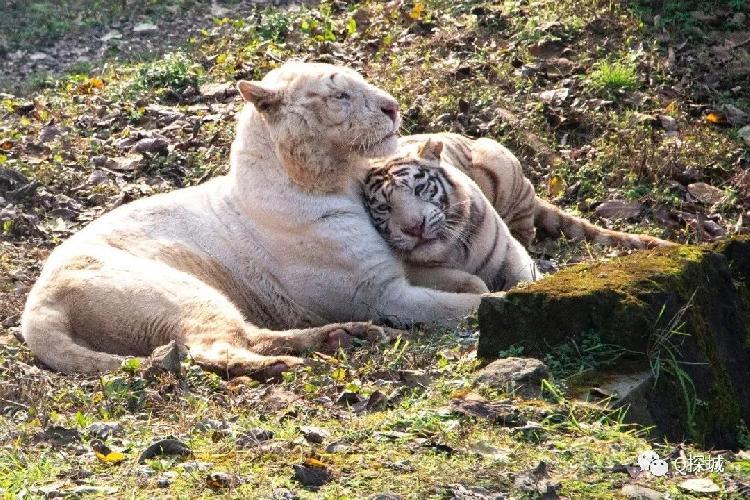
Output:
x,y
431,149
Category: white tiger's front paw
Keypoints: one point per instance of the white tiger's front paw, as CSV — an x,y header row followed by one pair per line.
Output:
x,y
472,284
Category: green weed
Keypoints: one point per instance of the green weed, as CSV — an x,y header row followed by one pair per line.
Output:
x,y
614,76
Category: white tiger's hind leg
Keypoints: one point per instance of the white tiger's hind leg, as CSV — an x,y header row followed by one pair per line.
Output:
x,y
90,313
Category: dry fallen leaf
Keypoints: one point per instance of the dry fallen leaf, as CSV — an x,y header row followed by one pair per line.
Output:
x,y
417,11
556,186
716,118
105,454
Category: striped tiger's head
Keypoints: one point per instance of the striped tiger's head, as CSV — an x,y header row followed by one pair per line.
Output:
x,y
413,201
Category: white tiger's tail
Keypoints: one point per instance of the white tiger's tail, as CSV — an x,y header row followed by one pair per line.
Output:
x,y
554,222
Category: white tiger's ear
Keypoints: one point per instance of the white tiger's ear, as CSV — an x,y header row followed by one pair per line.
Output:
x,y
431,149
263,97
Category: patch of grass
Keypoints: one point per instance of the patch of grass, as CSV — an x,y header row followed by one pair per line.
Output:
x,y
614,76
585,354
678,13
171,74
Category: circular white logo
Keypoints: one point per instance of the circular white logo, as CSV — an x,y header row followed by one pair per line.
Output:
x,y
649,461
645,459
658,467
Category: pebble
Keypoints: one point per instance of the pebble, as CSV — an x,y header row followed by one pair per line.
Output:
x,y
314,435
166,479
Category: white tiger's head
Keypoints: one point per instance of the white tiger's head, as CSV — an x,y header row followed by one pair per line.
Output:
x,y
414,202
323,119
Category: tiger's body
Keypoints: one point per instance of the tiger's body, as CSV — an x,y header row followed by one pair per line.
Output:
x,y
499,175
443,226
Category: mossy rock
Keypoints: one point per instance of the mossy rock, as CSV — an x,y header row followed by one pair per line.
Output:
x,y
681,310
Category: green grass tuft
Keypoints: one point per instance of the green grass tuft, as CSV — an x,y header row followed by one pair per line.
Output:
x,y
614,76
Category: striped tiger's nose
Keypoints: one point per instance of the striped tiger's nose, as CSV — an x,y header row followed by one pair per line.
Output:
x,y
416,230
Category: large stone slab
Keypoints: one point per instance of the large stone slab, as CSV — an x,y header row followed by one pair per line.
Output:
x,y
682,312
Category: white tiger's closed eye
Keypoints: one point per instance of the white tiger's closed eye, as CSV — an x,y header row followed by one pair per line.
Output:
x,y
342,96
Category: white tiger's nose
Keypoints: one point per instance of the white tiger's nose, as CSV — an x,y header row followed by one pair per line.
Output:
x,y
416,230
390,108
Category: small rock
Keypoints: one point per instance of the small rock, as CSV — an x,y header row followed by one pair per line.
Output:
x,y
348,399
166,479
218,11
284,494
487,450
375,402
336,447
23,107
744,134
385,496
145,471
210,424
667,122
38,56
314,435
169,446
699,486
163,115
554,96
312,476
547,49
253,437
705,193
195,465
99,161
713,229
639,492
97,177
125,163
152,145
461,492
145,26
688,176
49,133
738,19
86,489
166,358
474,405
111,35
217,91
619,209
127,143
222,480
735,116
416,378
60,436
521,376
104,430
536,480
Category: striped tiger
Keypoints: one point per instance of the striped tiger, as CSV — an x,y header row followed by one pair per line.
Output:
x,y
446,230
499,175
